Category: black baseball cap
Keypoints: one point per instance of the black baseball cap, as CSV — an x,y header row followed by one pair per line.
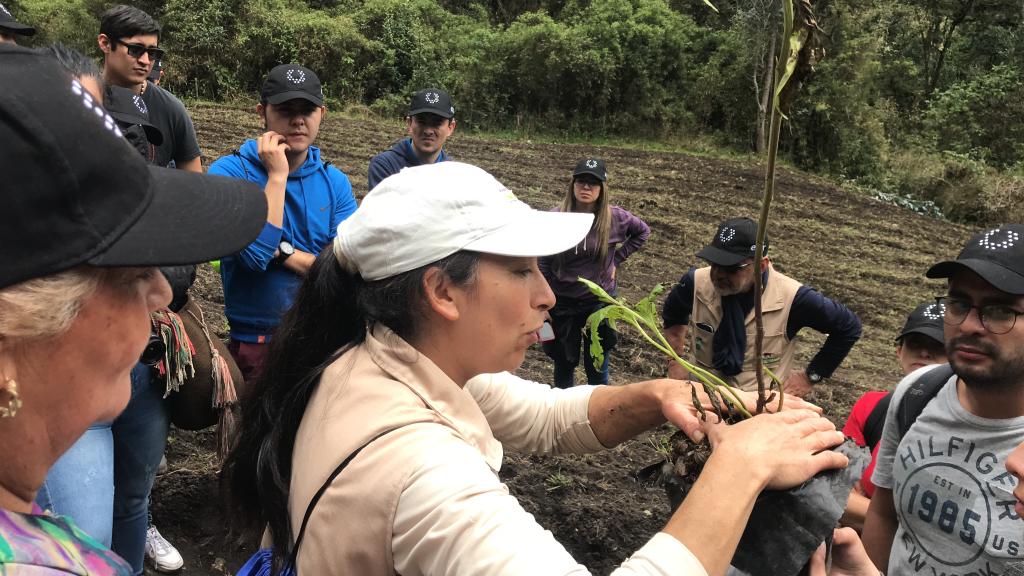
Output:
x,y
735,241
11,26
74,192
592,166
290,81
129,108
432,100
926,319
997,255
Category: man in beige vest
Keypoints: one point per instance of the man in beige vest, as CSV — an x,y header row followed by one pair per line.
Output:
x,y
712,310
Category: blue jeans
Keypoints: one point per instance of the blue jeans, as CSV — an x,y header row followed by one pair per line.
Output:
x,y
81,483
137,439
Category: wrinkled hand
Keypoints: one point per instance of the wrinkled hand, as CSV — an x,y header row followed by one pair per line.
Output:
x,y
271,147
783,450
677,405
848,556
797,385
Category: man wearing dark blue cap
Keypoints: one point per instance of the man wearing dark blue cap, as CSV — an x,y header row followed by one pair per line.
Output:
x,y
431,120
307,199
711,309
943,500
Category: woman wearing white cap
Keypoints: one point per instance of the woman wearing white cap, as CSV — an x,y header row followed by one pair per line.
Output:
x,y
379,423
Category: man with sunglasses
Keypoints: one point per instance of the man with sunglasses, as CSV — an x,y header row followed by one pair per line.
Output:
x,y
129,39
711,310
431,120
943,500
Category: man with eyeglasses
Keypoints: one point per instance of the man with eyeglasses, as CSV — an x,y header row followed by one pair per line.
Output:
x,y
129,39
431,120
711,312
944,501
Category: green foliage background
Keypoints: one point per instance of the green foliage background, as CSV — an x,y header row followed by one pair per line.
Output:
x,y
921,99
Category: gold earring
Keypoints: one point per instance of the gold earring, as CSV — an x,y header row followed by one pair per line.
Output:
x,y
14,404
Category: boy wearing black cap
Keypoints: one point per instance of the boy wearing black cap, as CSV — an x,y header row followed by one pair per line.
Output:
x,y
10,28
307,200
711,309
943,501
919,344
129,39
431,120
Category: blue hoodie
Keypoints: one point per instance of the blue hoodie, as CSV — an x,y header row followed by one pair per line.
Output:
x,y
389,162
257,292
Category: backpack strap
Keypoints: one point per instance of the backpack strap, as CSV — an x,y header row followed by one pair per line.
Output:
x,y
918,395
316,497
876,422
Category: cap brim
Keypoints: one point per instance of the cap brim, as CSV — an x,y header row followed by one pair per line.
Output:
x,y
535,233
1001,278
592,171
720,257
153,134
17,28
441,113
193,218
930,331
294,95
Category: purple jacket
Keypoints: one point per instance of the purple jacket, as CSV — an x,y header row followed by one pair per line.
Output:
x,y
627,235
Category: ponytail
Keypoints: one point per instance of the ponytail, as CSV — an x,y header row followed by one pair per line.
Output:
x,y
330,315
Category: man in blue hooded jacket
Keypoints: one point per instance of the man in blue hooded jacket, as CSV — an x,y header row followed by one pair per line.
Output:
x,y
431,120
306,200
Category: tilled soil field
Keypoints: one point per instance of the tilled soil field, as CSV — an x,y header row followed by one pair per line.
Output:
x,y
868,255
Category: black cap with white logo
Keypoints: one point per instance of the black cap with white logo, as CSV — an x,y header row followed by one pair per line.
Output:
x,y
433,101
290,81
9,25
127,107
926,319
74,192
592,166
733,243
997,255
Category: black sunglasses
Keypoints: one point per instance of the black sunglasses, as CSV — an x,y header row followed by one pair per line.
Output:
x,y
137,50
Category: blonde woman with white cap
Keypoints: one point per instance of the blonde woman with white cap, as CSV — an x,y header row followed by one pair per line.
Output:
x,y
376,432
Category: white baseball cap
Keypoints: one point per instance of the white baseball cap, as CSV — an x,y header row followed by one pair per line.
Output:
x,y
425,213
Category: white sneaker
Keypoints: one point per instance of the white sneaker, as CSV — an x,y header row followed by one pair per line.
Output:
x,y
161,553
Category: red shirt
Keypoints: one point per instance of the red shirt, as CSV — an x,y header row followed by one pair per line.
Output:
x,y
854,428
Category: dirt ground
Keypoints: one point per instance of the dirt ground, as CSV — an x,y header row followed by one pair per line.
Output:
x,y
866,254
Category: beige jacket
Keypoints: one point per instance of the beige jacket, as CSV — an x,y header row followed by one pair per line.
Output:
x,y
776,302
426,498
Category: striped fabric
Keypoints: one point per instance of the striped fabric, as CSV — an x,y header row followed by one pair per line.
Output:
x,y
38,543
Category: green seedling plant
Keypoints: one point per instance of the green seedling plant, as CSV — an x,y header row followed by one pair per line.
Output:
x,y
643,319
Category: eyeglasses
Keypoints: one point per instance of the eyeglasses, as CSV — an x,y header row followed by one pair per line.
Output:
x,y
996,318
588,182
137,50
733,269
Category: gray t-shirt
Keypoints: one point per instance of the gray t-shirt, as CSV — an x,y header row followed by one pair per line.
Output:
x,y
952,493
168,114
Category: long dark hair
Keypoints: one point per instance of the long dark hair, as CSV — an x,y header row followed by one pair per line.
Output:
x,y
330,315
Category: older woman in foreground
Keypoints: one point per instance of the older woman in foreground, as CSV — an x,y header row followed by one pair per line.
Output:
x,y
83,223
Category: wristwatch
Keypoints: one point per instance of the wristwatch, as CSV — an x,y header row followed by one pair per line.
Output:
x,y
284,251
814,377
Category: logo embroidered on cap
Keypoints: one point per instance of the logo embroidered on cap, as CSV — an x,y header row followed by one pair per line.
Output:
x,y
295,76
451,109
591,163
935,311
432,97
990,241
726,234
90,104
4,10
140,104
